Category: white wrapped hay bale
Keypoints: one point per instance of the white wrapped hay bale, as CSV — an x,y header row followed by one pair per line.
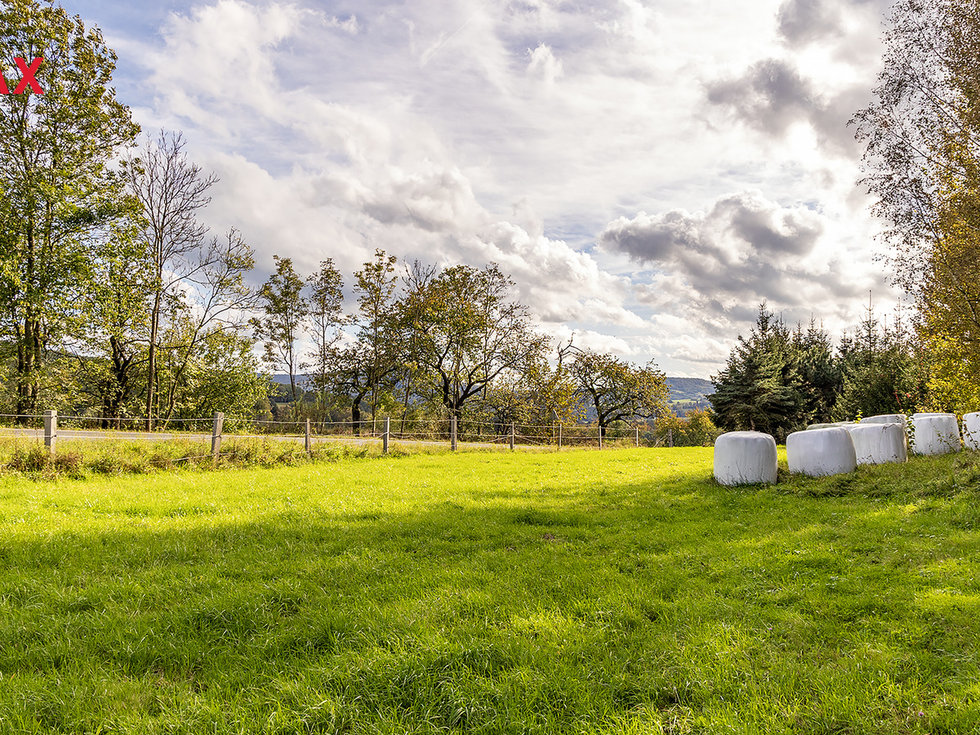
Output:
x,y
879,443
821,452
935,433
745,458
886,418
836,424
971,430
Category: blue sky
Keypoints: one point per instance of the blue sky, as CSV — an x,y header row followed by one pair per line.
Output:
x,y
647,172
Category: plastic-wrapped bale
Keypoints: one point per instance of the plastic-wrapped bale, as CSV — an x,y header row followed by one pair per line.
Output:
x,y
935,433
971,430
745,458
879,443
886,418
821,452
813,427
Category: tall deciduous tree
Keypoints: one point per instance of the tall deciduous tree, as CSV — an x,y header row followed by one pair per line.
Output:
x,y
214,298
923,163
540,393
470,331
326,318
59,191
283,311
369,366
171,189
910,130
111,350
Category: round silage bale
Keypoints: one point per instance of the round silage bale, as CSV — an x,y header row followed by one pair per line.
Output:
x,y
935,433
886,418
745,458
971,430
833,425
821,452
878,443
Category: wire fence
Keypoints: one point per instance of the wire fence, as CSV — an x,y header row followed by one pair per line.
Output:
x,y
451,432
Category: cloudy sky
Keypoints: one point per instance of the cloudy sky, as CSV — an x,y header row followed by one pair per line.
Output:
x,y
647,171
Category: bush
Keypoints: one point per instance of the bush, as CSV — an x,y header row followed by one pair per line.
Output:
x,y
68,463
30,459
697,429
107,463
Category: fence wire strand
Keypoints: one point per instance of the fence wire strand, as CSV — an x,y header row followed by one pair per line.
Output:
x,y
420,430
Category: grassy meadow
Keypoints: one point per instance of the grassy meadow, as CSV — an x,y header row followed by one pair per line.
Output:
x,y
580,592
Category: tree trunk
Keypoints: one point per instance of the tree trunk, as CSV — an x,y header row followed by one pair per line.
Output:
x,y
22,363
29,349
117,394
151,360
355,415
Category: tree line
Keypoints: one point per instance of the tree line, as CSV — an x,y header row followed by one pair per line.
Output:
x,y
780,379
119,302
424,341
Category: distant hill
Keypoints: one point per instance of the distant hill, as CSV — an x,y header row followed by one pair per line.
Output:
x,y
688,393
689,389
283,379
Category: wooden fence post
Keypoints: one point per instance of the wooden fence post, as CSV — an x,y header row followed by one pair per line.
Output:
x,y
600,436
219,420
387,436
512,436
452,433
50,430
308,440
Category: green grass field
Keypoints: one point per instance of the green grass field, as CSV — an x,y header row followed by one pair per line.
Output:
x,y
581,592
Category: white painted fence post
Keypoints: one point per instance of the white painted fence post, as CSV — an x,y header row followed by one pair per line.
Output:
x,y
387,436
308,440
559,435
512,437
599,429
452,433
50,430
219,420
637,428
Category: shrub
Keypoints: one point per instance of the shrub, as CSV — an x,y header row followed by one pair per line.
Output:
x,y
30,459
68,463
107,463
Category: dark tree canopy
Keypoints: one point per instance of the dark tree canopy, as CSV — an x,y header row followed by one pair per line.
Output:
x,y
60,193
760,387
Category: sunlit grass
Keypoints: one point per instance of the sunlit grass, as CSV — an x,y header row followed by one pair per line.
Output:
x,y
81,458
614,592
